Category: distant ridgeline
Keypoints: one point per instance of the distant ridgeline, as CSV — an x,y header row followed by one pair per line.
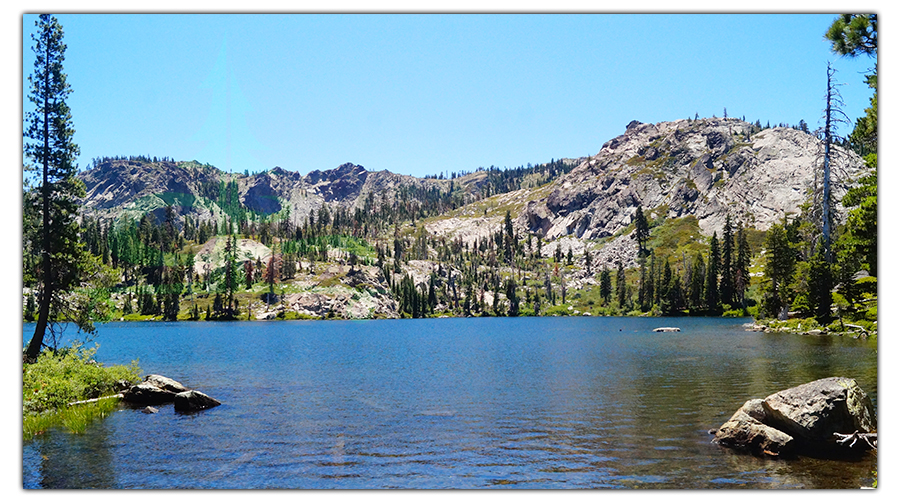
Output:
x,y
493,241
137,185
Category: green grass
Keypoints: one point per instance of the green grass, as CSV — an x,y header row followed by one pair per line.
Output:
x,y
77,418
65,376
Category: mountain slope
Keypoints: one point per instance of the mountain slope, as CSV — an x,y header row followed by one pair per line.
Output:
x,y
129,187
706,168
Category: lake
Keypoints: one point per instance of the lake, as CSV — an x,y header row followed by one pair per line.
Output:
x,y
579,402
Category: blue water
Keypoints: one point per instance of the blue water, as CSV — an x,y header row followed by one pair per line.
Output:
x,y
450,403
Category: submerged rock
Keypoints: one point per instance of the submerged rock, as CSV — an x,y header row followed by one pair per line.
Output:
x,y
806,419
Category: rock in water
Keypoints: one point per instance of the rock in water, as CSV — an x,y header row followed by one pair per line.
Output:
x,y
155,389
165,383
745,431
147,393
189,401
813,412
800,420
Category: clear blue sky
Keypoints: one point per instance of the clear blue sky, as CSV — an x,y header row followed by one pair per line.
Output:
x,y
424,94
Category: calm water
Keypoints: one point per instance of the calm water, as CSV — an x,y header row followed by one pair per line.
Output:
x,y
450,403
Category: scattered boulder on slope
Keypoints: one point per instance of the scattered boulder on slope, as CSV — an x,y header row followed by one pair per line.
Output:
x,y
812,418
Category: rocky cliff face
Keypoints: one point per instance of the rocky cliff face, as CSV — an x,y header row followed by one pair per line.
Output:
x,y
116,184
126,187
707,168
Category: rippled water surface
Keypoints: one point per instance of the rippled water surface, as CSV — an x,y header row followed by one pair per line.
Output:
x,y
450,403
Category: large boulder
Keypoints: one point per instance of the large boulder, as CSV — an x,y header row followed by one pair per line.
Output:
x,y
814,412
806,419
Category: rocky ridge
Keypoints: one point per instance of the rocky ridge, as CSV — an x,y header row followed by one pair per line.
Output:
x,y
706,168
117,188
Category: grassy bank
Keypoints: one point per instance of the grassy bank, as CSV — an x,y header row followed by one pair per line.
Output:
x,y
64,376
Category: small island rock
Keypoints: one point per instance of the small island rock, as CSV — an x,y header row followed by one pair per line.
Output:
x,y
189,401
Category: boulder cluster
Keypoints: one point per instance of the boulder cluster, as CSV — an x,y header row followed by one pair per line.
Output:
x,y
156,389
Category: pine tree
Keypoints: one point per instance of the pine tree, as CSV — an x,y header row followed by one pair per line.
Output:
x,y
666,282
726,284
742,267
605,285
698,278
643,289
50,146
820,284
641,231
674,302
620,284
231,274
779,269
833,116
432,293
512,297
712,275
508,238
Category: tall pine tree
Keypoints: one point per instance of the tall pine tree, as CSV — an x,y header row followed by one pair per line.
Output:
x,y
712,275
742,267
49,145
726,284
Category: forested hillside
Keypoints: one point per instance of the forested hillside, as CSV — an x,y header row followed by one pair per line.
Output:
x,y
665,219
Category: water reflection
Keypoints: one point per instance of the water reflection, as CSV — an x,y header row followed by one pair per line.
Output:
x,y
62,464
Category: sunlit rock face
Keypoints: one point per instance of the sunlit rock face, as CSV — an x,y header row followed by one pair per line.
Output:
x,y
708,168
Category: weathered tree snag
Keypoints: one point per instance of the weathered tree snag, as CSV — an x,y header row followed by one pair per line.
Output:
x,y
870,439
